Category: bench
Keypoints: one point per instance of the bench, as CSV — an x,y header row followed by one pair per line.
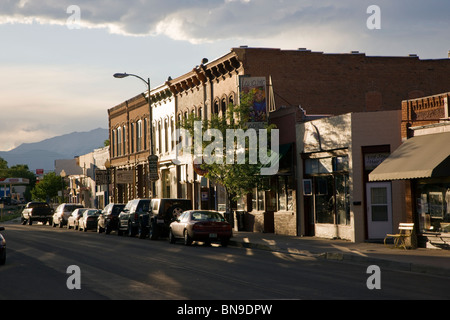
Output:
x,y
405,231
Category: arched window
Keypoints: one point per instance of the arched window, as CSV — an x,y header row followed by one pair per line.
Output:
x,y
166,135
139,136
223,107
216,107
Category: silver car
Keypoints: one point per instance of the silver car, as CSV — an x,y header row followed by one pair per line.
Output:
x,y
62,213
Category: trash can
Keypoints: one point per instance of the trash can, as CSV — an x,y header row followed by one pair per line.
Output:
x,y
240,220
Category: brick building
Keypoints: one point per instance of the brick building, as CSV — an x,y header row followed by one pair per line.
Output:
x,y
320,83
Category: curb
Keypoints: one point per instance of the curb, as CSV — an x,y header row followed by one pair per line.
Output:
x,y
351,258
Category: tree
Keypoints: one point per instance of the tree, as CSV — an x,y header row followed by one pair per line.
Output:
x,y
48,187
223,158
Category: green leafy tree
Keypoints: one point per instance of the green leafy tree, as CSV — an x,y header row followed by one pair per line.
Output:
x,y
48,187
237,179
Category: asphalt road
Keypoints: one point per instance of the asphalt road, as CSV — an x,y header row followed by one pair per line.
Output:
x,y
116,267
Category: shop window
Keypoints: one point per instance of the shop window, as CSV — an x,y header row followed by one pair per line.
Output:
x,y
282,194
433,207
260,203
330,189
324,199
342,199
285,195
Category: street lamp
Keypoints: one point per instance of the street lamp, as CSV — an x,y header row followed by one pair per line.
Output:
x,y
152,157
147,82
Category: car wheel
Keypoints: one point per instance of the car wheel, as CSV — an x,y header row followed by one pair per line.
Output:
x,y
30,222
172,238
224,242
187,238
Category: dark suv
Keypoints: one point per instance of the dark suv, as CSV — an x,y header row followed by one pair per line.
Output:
x,y
134,218
108,220
163,212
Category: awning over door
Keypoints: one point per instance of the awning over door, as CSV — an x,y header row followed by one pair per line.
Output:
x,y
426,156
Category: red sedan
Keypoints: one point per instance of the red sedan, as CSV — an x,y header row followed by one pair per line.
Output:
x,y
200,225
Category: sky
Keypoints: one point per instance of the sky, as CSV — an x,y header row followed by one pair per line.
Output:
x,y
57,57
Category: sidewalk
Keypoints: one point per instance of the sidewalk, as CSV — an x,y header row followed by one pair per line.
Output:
x,y
429,261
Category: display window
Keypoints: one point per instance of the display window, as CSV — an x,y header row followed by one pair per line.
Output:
x,y
433,206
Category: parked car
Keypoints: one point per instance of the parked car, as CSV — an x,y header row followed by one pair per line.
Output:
x,y
74,217
6,201
134,218
201,225
63,212
165,211
89,219
37,211
2,248
108,220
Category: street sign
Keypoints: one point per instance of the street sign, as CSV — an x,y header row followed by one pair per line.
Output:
x,y
153,174
102,177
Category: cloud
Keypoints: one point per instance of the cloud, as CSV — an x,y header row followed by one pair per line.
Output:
x,y
328,25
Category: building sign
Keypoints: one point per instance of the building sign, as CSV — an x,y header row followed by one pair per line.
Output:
x,y
124,177
102,177
153,168
14,181
373,160
257,87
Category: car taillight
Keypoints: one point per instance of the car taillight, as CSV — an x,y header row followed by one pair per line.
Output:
x,y
136,216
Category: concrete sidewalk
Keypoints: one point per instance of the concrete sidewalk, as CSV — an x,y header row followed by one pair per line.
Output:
x,y
430,261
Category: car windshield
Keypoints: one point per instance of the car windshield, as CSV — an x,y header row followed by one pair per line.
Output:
x,y
38,205
117,209
207,216
91,212
71,208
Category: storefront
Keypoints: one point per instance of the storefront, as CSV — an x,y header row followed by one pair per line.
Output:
x,y
336,155
423,162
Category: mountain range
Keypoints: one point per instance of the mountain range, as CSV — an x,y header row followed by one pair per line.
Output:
x,y
42,155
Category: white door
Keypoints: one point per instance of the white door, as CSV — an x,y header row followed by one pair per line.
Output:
x,y
379,209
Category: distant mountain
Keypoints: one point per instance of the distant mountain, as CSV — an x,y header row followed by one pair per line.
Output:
x,y
42,155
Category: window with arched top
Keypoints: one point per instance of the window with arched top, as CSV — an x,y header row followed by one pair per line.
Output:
x,y
139,136
216,107
223,107
166,135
